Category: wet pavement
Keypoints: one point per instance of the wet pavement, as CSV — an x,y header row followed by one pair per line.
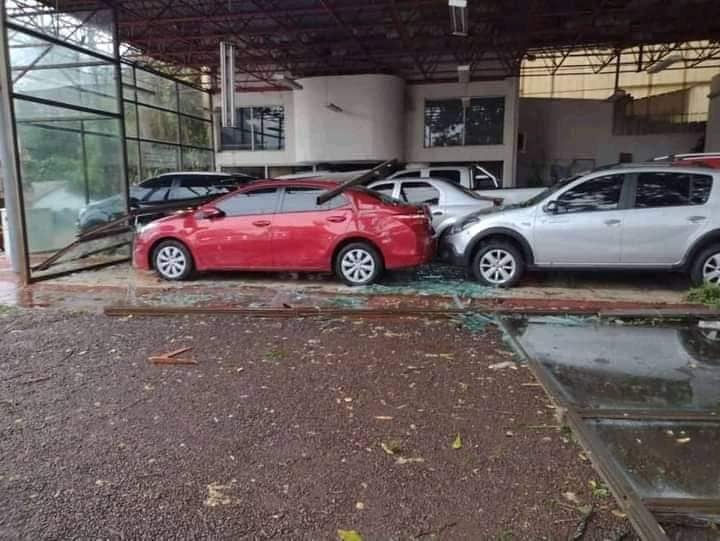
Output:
x,y
434,285
650,397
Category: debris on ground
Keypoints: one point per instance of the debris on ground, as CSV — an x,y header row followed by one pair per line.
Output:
x,y
587,513
457,442
349,535
172,357
503,365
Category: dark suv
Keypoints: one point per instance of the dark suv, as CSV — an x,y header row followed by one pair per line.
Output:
x,y
192,188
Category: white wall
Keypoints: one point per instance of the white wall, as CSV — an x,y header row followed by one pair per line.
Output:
x,y
570,129
369,127
247,158
415,150
712,132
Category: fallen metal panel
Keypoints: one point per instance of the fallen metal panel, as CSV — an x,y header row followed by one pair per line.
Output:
x,y
376,172
647,415
640,516
127,310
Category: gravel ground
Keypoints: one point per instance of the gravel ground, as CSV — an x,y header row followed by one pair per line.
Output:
x,y
284,429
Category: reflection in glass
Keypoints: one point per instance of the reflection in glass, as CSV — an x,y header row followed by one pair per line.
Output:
x,y
666,459
157,158
268,128
156,90
194,159
443,123
42,69
484,122
88,29
194,102
68,159
157,125
627,367
196,132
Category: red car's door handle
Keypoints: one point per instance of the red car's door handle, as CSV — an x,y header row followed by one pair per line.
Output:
x,y
261,223
336,219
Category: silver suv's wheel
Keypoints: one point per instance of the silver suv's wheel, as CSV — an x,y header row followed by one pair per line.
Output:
x,y
358,264
172,260
711,269
498,264
705,268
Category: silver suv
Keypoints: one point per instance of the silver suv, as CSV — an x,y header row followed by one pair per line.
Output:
x,y
630,217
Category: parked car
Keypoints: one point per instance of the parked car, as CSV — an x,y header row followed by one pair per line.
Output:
x,y
278,225
446,200
192,188
702,159
650,217
475,178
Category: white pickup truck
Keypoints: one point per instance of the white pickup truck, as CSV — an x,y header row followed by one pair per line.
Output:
x,y
475,178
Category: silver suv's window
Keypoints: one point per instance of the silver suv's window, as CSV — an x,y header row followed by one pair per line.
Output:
x,y
601,193
658,189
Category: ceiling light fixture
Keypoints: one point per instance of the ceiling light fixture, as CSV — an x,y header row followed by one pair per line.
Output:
x,y
458,17
289,81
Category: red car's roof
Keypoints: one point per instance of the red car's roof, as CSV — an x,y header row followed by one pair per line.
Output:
x,y
307,183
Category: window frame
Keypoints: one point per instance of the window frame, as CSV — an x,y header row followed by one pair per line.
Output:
x,y
254,147
401,192
624,200
427,139
277,189
345,203
633,181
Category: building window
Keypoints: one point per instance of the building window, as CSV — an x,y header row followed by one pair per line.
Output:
x,y
256,128
462,122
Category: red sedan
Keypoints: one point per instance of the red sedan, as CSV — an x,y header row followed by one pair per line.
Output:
x,y
278,226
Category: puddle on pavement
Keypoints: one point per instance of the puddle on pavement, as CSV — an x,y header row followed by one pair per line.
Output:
x,y
626,367
650,374
666,459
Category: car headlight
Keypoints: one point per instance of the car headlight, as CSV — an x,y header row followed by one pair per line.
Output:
x,y
463,224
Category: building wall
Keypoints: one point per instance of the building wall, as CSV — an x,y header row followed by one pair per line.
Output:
x,y
712,132
369,127
261,158
415,151
560,131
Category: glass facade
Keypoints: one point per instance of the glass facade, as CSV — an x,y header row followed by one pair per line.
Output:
x,y
167,124
68,124
86,124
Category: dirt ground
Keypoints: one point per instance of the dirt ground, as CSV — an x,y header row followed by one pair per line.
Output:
x,y
284,429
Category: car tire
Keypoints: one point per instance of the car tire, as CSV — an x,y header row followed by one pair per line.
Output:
x,y
706,262
498,264
172,260
358,264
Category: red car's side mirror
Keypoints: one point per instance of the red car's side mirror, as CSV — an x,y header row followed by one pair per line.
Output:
x,y
209,213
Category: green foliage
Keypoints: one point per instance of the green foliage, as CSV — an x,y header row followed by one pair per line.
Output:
x,y
707,294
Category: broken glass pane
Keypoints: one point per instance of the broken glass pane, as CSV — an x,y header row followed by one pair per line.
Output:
x,y
665,459
626,367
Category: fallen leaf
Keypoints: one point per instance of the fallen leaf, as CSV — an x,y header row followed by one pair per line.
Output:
x,y
502,365
682,440
571,497
349,535
383,418
618,514
402,460
457,444
391,447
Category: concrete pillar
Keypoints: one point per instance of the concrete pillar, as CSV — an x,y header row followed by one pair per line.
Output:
x,y
712,130
10,165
